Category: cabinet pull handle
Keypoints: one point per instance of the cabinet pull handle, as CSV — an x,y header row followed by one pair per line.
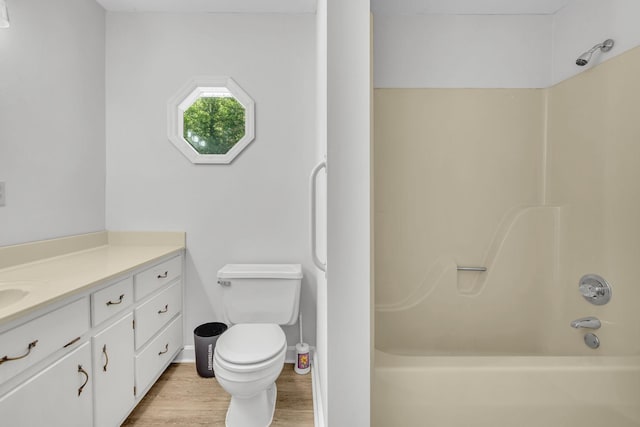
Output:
x,y
72,342
166,348
106,356
86,380
29,348
116,302
164,310
163,275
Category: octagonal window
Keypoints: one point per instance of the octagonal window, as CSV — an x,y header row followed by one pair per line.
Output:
x,y
211,120
214,123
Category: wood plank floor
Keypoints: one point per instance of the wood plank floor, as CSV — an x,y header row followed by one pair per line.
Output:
x,y
181,398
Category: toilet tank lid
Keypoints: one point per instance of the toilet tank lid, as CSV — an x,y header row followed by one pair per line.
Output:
x,y
260,271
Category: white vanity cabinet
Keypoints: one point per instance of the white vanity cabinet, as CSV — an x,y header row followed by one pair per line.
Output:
x,y
113,372
59,395
89,361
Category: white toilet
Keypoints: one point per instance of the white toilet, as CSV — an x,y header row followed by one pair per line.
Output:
x,y
249,356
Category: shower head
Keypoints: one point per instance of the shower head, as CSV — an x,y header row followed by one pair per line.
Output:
x,y
584,59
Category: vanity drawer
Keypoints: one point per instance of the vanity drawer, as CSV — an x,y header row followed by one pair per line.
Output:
x,y
158,354
155,277
155,313
33,341
111,300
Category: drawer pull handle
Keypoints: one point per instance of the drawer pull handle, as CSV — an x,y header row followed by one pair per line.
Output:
x,y
164,310
106,356
163,275
166,348
116,302
86,380
29,348
72,342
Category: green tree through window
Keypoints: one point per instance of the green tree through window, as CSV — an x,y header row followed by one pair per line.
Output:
x,y
213,125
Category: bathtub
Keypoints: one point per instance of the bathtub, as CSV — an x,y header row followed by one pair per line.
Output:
x,y
505,391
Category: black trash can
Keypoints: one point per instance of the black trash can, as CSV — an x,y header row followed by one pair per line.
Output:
x,y
204,339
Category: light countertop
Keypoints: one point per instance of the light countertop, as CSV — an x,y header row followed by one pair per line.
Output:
x,y
56,277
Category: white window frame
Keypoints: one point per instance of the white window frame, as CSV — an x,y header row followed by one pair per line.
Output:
x,y
191,92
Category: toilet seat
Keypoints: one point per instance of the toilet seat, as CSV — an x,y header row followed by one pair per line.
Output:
x,y
253,372
250,345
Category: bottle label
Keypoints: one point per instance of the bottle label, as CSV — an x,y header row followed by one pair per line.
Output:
x,y
303,360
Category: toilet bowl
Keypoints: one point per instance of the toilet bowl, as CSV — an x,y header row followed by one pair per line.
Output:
x,y
248,358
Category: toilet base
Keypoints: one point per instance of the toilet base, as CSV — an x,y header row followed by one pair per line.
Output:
x,y
255,411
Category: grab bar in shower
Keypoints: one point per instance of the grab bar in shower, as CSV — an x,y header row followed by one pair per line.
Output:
x,y
312,209
480,269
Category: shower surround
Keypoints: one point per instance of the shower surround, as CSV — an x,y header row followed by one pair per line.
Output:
x,y
541,187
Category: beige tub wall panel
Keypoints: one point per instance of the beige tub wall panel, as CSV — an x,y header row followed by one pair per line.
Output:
x,y
505,315
449,164
622,203
594,173
593,170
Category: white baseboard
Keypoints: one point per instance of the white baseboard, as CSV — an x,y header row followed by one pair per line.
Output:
x,y
188,355
291,355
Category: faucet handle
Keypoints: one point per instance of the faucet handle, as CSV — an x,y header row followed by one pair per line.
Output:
x,y
595,289
588,290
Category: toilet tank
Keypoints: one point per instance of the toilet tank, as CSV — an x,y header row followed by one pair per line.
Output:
x,y
261,293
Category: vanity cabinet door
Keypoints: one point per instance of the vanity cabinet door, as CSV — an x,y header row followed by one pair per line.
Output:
x,y
113,364
60,395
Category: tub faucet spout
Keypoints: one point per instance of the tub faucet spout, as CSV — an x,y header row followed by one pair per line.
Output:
x,y
586,323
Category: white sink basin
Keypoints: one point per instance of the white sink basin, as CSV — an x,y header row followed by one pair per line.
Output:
x,y
10,296
13,292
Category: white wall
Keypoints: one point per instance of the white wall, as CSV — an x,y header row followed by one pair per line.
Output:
x,y
52,143
253,210
462,51
585,23
348,218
